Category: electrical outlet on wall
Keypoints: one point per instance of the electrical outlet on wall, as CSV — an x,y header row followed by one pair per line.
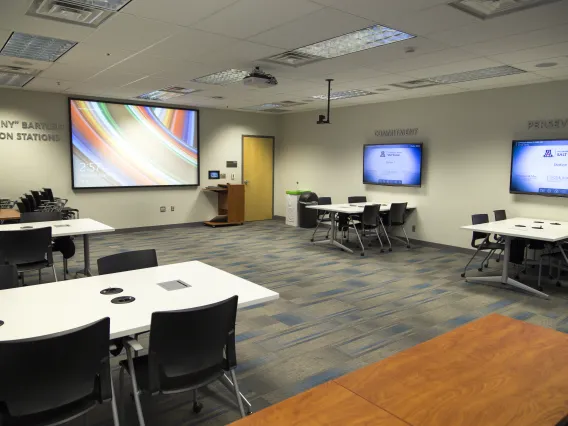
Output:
x,y
232,176
173,208
163,209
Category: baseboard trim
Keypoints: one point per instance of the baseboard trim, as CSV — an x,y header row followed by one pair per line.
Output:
x,y
282,218
158,227
441,246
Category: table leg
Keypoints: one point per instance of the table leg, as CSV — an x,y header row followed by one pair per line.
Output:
x,y
333,240
504,278
86,258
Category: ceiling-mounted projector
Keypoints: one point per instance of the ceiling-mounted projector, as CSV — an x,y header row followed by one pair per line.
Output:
x,y
259,79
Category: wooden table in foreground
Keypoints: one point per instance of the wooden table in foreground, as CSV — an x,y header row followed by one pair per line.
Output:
x,y
9,214
495,371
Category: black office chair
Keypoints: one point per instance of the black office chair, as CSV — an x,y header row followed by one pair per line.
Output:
x,y
397,217
53,379
484,245
500,215
189,349
64,245
8,277
127,261
27,205
32,202
357,199
68,212
323,216
370,221
28,249
21,206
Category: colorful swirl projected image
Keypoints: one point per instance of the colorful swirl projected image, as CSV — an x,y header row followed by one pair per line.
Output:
x,y
117,145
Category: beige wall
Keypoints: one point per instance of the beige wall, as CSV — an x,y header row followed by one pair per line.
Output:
x,y
467,139
26,165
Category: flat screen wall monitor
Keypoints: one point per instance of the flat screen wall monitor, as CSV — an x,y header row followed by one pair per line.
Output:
x,y
539,167
118,145
393,164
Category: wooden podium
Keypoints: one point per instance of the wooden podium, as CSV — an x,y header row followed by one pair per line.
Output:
x,y
231,210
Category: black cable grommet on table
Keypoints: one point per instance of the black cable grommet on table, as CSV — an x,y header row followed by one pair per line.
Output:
x,y
1,323
121,300
111,290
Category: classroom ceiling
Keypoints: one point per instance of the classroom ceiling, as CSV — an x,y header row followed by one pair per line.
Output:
x,y
152,44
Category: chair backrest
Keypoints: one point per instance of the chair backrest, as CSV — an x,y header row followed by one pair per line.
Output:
x,y
49,194
50,372
29,217
370,215
27,204
37,197
190,342
127,261
478,219
21,207
500,215
32,202
397,214
8,277
357,199
324,201
25,245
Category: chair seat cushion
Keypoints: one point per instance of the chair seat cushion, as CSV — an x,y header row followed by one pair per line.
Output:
x,y
51,417
172,384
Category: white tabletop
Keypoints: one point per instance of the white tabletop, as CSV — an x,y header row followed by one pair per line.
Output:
x,y
55,307
549,232
64,228
352,208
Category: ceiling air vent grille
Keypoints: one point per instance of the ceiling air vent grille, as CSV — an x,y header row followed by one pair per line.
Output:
x,y
90,13
486,9
415,84
293,59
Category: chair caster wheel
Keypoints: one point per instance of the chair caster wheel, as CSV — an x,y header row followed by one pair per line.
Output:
x,y
517,277
539,288
197,407
370,245
487,265
558,284
362,254
248,413
407,247
312,240
382,251
497,260
550,277
463,275
390,249
480,269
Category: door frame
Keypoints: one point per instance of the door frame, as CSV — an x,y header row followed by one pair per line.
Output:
x,y
273,162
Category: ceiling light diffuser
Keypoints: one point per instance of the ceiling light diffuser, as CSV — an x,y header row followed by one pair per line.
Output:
x,y
367,38
159,95
486,9
223,78
263,107
14,79
461,77
38,48
346,94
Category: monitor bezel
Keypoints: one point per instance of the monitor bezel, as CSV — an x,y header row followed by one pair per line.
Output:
x,y
82,188
511,191
391,144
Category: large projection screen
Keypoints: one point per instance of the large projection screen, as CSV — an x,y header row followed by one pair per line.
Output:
x,y
116,145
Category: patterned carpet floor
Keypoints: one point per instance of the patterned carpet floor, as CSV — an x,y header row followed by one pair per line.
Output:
x,y
337,312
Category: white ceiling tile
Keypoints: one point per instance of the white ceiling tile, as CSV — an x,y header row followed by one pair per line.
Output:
x,y
414,61
534,54
150,84
180,12
164,67
111,78
474,64
374,83
239,54
318,26
554,73
522,41
433,19
13,17
380,10
48,85
249,17
508,80
128,32
4,34
561,61
70,72
190,44
87,89
86,54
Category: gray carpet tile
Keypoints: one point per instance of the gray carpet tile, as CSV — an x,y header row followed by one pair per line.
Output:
x,y
338,312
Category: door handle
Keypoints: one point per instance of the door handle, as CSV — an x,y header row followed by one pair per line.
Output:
x,y
246,182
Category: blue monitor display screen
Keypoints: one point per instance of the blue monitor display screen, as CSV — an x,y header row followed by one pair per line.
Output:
x,y
540,167
393,165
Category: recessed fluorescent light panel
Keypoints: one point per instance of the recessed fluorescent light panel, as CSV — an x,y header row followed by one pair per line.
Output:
x,y
367,38
91,13
223,78
346,94
461,77
486,9
38,48
14,79
263,107
167,93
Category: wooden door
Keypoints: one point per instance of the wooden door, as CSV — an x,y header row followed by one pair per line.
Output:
x,y
258,177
